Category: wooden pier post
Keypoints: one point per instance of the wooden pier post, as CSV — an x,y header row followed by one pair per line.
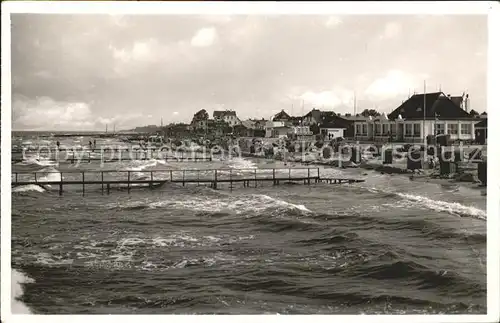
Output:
x,y
151,183
107,187
198,177
102,183
255,176
128,182
183,177
308,176
274,176
60,184
231,179
215,182
83,183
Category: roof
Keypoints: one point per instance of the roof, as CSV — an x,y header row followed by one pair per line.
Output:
x,y
482,124
330,117
457,100
331,125
436,103
281,115
356,118
221,114
248,123
311,112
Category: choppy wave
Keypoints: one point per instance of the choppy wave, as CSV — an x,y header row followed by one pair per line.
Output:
x,y
28,188
137,166
129,252
239,163
296,248
51,175
37,161
18,279
443,206
251,204
412,200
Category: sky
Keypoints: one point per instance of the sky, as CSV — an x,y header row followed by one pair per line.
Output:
x,y
81,72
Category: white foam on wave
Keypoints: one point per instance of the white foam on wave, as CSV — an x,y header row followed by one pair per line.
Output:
x,y
443,206
44,258
17,281
239,163
38,161
139,165
28,188
283,203
50,175
254,203
120,254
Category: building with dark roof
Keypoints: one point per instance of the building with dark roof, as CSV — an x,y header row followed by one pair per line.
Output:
x,y
418,117
281,116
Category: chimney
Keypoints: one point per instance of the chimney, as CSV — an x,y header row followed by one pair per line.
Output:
x,y
466,103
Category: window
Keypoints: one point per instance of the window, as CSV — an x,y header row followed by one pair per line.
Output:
x,y
453,129
377,128
365,129
393,128
358,129
416,130
465,129
439,128
408,130
385,128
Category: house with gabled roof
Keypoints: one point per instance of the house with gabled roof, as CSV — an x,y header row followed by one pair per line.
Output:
x,y
228,116
312,117
281,116
418,117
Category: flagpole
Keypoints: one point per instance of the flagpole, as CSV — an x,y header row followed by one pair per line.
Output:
x,y
423,132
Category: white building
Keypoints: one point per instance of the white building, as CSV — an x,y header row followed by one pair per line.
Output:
x,y
277,129
227,116
331,133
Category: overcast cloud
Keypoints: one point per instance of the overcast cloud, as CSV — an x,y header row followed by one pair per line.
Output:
x,y
80,72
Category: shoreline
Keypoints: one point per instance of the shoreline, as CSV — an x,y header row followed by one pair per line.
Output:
x,y
466,179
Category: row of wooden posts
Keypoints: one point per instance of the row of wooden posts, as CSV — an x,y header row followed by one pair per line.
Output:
x,y
151,181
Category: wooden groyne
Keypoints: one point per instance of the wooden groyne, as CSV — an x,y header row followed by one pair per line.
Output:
x,y
213,177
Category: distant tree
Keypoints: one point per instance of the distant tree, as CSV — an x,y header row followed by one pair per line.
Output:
x,y
314,128
484,113
201,115
473,113
370,112
347,114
